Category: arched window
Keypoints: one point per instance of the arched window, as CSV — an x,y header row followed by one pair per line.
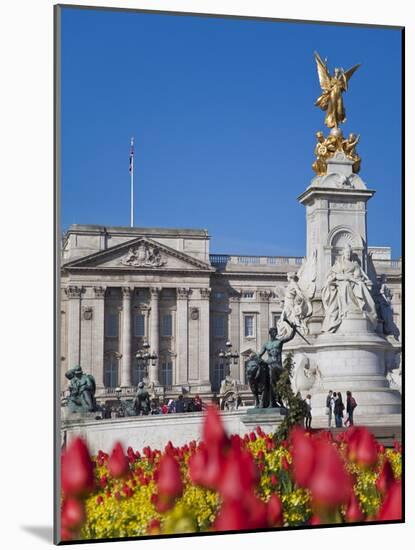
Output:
x,y
111,362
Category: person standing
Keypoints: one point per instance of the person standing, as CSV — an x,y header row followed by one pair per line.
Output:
x,y
308,416
329,406
350,407
339,410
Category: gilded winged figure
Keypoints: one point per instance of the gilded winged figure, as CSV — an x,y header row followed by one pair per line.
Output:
x,y
331,99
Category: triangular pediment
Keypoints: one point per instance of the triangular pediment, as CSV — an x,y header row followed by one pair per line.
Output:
x,y
141,254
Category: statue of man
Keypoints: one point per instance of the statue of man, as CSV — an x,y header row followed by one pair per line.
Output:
x,y
142,400
81,390
273,347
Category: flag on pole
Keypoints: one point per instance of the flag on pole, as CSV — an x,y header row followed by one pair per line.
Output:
x,y
132,182
131,155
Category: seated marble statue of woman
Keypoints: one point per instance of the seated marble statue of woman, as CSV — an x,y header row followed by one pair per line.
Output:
x,y
347,290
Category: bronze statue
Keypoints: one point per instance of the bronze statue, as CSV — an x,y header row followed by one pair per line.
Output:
x,y
273,348
142,400
257,374
81,390
333,86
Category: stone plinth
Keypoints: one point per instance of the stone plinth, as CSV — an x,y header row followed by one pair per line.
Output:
x,y
268,419
353,359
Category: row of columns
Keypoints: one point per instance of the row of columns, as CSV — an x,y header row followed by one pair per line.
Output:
x,y
198,354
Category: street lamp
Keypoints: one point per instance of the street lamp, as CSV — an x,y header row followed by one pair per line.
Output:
x,y
228,356
144,356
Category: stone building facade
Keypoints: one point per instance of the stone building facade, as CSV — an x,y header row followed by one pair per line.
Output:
x,y
122,287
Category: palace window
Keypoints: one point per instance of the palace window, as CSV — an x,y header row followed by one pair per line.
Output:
x,y
275,319
249,326
139,324
218,375
218,295
166,373
139,372
111,371
111,325
219,326
167,325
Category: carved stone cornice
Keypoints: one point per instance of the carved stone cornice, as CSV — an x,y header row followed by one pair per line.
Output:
x,y
99,291
126,291
155,292
235,296
142,307
265,295
73,291
183,293
205,293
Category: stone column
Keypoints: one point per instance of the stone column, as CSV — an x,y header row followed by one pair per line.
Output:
x,y
182,336
204,340
98,336
126,337
74,324
154,333
264,298
237,371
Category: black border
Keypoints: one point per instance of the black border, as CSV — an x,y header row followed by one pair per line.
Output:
x,y
57,254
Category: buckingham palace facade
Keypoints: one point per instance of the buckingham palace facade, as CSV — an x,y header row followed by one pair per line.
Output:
x,y
123,287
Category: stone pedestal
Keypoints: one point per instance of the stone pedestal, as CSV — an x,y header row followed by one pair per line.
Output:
x,y
268,419
353,359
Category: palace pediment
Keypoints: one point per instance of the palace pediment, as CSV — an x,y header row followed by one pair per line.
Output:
x,y
141,254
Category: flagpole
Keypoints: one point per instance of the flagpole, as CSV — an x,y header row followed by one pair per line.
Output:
x,y
132,183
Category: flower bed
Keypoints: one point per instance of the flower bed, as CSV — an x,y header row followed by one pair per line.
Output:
x,y
226,483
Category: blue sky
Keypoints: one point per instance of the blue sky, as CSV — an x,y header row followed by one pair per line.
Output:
x,y
223,115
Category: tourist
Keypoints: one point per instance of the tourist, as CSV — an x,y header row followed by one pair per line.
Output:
x,y
171,406
338,410
330,406
350,407
180,404
198,403
308,412
164,408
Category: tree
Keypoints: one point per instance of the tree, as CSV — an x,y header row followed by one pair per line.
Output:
x,y
294,403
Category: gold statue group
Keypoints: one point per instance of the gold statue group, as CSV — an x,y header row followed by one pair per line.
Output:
x,y
331,101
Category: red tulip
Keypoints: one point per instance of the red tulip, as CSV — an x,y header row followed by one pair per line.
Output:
x,y
169,481
303,456
213,430
285,465
73,513
77,469
330,484
66,534
239,475
252,436
206,467
354,511
273,479
391,508
363,447
275,511
153,527
386,478
118,465
100,500
257,511
231,517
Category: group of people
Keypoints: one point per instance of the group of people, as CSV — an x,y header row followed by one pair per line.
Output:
x,y
335,408
180,405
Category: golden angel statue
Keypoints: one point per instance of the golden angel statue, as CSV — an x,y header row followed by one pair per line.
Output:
x,y
331,99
